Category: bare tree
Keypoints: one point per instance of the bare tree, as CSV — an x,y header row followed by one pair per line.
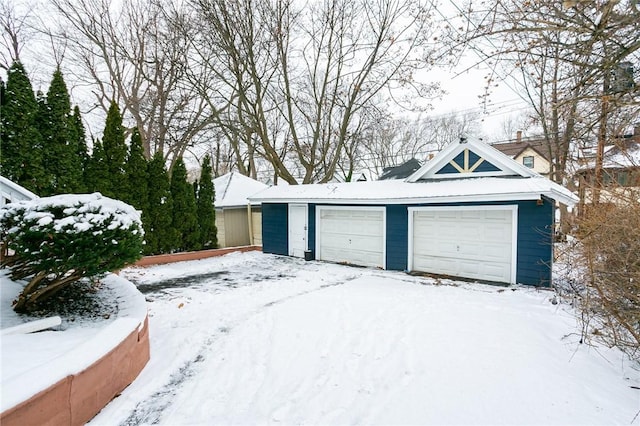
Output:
x,y
563,54
133,52
389,141
16,25
298,80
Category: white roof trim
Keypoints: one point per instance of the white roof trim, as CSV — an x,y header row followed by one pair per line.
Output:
x,y
9,188
423,192
508,166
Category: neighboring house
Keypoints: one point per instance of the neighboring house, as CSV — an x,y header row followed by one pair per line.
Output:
x,y
620,171
402,171
532,153
238,220
469,212
10,192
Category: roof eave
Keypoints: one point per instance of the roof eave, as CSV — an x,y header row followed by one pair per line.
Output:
x,y
513,196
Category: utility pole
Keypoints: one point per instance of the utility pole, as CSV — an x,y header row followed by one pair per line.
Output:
x,y
602,138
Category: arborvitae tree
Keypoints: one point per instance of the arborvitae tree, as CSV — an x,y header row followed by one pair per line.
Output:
x,y
185,213
159,234
206,209
21,159
63,167
115,152
77,139
43,124
136,192
96,174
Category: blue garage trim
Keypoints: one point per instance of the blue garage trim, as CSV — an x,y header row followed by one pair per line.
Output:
x,y
311,235
397,237
534,240
275,235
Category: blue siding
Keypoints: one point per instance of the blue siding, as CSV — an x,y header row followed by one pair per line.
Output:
x,y
535,235
485,166
535,242
311,236
397,237
275,237
447,169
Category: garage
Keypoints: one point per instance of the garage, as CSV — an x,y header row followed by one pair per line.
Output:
x,y
473,242
469,212
353,235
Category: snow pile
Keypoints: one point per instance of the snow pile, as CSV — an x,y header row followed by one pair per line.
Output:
x,y
79,213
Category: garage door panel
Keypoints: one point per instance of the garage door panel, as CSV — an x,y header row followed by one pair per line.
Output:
x,y
465,242
351,235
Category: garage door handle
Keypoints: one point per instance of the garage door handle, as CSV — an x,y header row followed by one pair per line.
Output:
x,y
458,248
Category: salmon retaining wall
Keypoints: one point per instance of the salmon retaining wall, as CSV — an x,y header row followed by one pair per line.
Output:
x,y
75,399
161,259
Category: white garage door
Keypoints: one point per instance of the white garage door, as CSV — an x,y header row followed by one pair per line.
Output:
x,y
471,243
351,235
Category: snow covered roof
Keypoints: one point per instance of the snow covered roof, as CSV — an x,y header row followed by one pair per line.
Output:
x,y
462,172
402,171
626,156
400,192
234,190
622,156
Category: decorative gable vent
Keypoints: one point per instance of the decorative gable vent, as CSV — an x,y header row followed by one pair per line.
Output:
x,y
470,159
467,162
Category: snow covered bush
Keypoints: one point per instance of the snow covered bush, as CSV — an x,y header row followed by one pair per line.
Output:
x,y
55,241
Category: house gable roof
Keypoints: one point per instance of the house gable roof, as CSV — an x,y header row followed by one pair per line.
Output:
x,y
402,171
470,158
514,149
234,190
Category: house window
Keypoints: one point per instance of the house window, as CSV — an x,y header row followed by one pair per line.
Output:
x,y
528,161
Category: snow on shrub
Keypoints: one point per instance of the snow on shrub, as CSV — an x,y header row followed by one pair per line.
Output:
x,y
55,241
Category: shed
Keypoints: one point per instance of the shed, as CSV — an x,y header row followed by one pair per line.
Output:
x,y
470,212
11,191
238,220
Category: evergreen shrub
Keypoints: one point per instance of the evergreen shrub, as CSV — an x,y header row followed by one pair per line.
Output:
x,y
55,241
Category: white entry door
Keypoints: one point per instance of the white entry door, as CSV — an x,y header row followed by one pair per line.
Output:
x,y
297,229
353,235
472,242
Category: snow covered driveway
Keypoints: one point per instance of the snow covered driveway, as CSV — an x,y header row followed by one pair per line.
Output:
x,y
260,339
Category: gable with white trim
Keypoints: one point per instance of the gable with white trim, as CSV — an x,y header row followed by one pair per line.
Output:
x,y
470,159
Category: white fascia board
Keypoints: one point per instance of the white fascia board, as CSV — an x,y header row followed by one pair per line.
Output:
x,y
417,200
565,199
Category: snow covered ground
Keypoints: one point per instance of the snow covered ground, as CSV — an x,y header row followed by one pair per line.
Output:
x,y
33,362
259,339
